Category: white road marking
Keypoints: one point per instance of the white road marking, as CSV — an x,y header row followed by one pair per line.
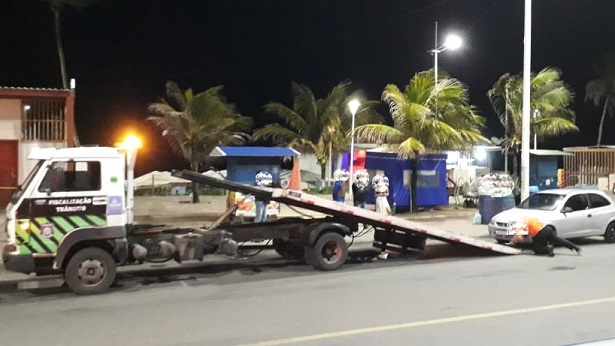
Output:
x,y
408,325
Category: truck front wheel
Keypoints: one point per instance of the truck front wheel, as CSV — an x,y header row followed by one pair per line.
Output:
x,y
90,271
328,253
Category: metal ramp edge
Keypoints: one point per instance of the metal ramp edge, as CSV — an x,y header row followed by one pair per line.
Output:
x,y
326,206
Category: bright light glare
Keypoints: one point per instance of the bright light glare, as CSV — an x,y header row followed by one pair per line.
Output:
x,y
353,106
453,42
480,154
131,142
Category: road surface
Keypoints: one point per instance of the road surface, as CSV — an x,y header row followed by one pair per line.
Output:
x,y
450,299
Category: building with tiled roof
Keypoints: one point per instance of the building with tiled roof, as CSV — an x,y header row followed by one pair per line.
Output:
x,y
31,118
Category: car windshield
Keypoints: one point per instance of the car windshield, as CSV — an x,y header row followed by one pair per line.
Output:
x,y
20,189
541,201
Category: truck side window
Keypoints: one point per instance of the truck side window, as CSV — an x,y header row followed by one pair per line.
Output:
x,y
72,176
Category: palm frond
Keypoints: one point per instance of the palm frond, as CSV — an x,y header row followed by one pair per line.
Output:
x,y
409,148
277,134
554,126
378,133
291,118
175,93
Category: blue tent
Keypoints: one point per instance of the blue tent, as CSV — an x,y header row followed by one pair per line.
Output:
x,y
430,170
431,180
395,169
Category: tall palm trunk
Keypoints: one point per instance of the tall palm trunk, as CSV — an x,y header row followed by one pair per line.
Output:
x,y
323,174
58,34
606,104
194,165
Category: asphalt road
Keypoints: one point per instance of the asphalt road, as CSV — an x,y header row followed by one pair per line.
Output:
x,y
451,299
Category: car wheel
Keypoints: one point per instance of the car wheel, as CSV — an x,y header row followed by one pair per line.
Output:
x,y
609,234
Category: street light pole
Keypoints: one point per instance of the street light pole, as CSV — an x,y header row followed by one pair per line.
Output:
x,y
452,42
353,105
525,123
435,57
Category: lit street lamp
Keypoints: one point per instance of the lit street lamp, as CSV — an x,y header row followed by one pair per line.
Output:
x,y
353,105
451,42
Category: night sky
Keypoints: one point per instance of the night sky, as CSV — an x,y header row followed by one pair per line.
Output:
x,y
121,52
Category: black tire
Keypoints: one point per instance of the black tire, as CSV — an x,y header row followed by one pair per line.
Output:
x,y
501,241
609,234
90,271
288,250
328,253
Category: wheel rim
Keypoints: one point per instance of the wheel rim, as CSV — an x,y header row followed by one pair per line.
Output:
x,y
331,251
91,272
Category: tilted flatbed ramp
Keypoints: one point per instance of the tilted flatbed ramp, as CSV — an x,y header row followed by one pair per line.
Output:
x,y
326,206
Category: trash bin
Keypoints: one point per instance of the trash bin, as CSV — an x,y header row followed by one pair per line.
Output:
x,y
495,194
489,206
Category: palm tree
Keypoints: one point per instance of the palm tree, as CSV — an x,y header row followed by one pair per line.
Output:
x,y
550,100
426,117
198,124
56,7
318,126
601,91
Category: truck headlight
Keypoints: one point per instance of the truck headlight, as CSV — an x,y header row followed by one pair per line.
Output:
x,y
24,225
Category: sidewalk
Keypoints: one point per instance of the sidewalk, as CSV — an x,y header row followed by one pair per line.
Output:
x,y
174,211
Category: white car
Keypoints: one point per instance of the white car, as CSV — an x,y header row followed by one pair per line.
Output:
x,y
573,213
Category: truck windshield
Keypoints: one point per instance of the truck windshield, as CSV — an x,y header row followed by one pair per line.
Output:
x,y
20,188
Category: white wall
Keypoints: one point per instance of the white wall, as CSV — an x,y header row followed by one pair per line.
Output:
x,y
25,165
10,119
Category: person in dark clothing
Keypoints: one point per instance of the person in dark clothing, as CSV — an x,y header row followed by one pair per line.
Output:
x,y
359,192
543,237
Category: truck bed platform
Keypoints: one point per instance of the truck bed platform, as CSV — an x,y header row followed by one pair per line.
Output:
x,y
329,207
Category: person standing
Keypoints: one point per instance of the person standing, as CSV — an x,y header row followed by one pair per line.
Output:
x,y
543,237
381,188
339,191
358,193
359,190
263,179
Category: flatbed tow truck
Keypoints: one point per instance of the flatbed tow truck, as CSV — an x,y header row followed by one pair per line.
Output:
x,y
73,216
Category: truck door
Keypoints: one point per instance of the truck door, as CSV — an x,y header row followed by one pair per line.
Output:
x,y
69,197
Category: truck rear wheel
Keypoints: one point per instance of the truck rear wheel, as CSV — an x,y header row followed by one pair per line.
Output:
x,y
90,271
328,253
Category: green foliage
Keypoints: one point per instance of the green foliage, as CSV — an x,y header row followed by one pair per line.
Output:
x,y
550,100
601,91
198,123
318,126
427,117
326,190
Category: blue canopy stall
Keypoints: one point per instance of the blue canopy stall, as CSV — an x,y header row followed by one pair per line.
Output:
x,y
242,164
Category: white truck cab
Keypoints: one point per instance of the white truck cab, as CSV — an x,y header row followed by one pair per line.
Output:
x,y
72,195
